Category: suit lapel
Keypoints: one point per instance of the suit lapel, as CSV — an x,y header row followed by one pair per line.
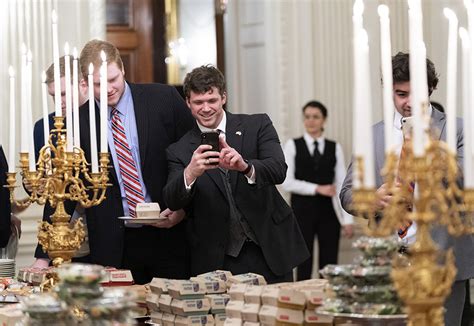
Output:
x,y
141,113
234,135
438,120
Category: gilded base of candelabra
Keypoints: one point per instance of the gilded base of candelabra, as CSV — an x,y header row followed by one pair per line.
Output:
x,y
61,240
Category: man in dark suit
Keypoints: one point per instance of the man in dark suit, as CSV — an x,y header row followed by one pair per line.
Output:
x,y
152,117
5,207
237,219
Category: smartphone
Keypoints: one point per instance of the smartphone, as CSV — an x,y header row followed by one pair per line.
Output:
x,y
210,138
407,126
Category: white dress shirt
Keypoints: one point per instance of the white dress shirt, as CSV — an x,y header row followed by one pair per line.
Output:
x,y
306,188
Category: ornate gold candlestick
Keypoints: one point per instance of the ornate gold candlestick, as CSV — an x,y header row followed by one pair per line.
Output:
x,y
424,277
59,177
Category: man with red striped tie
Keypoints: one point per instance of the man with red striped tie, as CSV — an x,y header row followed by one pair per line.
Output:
x,y
143,120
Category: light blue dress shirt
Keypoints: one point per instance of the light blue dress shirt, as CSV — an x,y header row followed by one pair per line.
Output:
x,y
127,116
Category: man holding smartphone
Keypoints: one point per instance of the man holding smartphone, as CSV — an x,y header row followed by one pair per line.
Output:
x,y
463,246
237,219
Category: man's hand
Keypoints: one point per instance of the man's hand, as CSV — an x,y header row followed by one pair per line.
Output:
x,y
202,160
348,230
40,263
383,197
229,158
172,218
326,190
15,225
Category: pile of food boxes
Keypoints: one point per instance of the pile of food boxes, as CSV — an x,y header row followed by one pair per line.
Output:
x,y
220,298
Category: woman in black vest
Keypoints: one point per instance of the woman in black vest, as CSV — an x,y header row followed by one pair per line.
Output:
x,y
316,170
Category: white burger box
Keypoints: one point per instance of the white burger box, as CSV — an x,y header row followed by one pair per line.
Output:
x,y
184,289
156,317
220,274
270,315
250,312
219,319
312,318
194,320
218,302
164,303
249,323
253,293
148,210
213,284
234,309
188,307
152,301
248,278
168,319
237,291
160,285
233,322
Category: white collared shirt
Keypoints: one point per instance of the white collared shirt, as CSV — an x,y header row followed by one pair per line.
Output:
x,y
306,188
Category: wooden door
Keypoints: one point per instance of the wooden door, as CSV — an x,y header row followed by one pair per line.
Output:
x,y
130,29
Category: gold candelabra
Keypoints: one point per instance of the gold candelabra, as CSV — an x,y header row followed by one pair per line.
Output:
x,y
422,278
60,176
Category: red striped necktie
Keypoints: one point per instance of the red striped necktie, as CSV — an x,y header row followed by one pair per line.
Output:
x,y
127,165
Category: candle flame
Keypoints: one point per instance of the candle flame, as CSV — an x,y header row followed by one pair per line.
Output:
x,y
358,8
54,17
383,11
464,35
74,53
11,72
66,48
91,69
43,76
103,56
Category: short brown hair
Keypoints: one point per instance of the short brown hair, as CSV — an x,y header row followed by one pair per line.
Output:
x,y
91,53
401,71
62,70
201,79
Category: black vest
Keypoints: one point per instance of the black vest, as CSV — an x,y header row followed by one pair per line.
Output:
x,y
305,168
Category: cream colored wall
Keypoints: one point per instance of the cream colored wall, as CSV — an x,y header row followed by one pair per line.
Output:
x,y
78,22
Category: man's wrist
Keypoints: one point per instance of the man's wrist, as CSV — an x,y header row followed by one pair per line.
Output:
x,y
248,168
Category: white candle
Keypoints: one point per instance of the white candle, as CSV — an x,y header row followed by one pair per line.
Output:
x,y
67,82
470,18
103,103
92,125
357,22
11,155
387,79
75,99
23,95
365,129
29,130
44,92
416,72
467,80
451,73
57,75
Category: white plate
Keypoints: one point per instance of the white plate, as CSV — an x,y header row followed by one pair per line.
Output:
x,y
138,220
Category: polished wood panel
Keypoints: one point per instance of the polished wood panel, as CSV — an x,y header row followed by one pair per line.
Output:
x,y
130,29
